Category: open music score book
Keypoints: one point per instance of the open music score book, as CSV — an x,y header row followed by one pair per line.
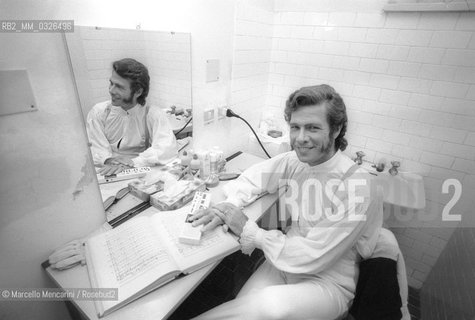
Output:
x,y
144,253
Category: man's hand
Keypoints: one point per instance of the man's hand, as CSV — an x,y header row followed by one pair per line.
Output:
x,y
115,165
207,217
120,160
223,213
232,216
108,170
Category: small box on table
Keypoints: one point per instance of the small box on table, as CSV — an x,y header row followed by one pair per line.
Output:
x,y
179,194
143,189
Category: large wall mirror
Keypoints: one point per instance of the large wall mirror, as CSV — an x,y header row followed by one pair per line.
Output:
x,y
167,56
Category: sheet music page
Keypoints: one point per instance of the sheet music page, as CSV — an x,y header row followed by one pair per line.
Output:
x,y
129,257
214,244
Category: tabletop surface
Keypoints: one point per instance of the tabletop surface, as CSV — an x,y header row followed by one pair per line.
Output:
x,y
162,302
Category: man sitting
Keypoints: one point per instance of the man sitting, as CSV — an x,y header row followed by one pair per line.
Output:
x,y
125,131
311,271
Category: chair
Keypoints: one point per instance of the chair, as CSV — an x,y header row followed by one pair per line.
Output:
x,y
381,291
374,283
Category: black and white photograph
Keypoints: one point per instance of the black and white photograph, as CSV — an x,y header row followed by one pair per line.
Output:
x,y
237,159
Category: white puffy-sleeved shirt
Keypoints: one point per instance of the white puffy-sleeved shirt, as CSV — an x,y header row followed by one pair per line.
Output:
x,y
331,227
142,133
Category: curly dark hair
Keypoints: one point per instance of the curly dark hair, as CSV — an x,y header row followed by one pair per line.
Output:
x,y
138,74
336,109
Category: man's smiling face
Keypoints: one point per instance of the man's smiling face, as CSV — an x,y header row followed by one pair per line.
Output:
x,y
310,134
120,92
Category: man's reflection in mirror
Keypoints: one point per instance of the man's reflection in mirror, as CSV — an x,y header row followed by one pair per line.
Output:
x,y
125,131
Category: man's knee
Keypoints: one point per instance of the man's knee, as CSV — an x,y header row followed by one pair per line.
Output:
x,y
267,304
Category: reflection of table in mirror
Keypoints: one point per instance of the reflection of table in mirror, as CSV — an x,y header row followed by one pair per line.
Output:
x,y
162,302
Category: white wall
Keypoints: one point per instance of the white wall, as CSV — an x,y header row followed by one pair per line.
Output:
x,y
162,15
408,80
251,63
212,38
238,33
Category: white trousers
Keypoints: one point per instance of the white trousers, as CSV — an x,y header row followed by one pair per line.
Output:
x,y
273,294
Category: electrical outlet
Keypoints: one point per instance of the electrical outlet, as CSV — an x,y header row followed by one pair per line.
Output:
x,y
222,112
208,116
